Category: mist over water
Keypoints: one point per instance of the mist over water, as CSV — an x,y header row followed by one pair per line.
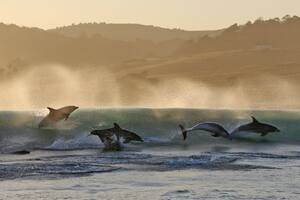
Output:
x,y
57,85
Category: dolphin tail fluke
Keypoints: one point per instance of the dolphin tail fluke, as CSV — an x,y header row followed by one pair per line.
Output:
x,y
183,131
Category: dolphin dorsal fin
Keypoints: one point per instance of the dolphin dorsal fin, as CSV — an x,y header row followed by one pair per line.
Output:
x,y
51,109
116,125
254,120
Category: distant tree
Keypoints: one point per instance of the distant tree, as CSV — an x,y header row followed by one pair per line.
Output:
x,y
277,19
273,21
248,23
259,20
295,19
286,18
232,28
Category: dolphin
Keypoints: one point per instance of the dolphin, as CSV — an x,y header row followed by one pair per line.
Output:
x,y
256,127
216,129
56,115
21,152
111,137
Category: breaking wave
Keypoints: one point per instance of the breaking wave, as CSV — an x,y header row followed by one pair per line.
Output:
x,y
158,127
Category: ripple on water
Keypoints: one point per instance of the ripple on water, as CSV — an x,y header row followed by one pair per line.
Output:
x,y
79,165
179,194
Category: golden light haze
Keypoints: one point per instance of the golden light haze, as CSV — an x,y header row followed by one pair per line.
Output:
x,y
56,85
185,14
253,66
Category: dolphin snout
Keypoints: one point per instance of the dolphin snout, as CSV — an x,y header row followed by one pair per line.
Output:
x,y
277,130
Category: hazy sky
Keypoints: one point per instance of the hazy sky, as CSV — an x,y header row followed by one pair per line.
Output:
x,y
186,14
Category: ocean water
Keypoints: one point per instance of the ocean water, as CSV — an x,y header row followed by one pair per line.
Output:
x,y
67,163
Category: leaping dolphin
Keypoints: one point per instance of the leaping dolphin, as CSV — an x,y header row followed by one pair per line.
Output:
x,y
216,129
111,137
56,115
256,127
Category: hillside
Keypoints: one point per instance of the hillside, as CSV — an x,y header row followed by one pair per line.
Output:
x,y
22,46
254,46
260,35
131,32
257,61
255,65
